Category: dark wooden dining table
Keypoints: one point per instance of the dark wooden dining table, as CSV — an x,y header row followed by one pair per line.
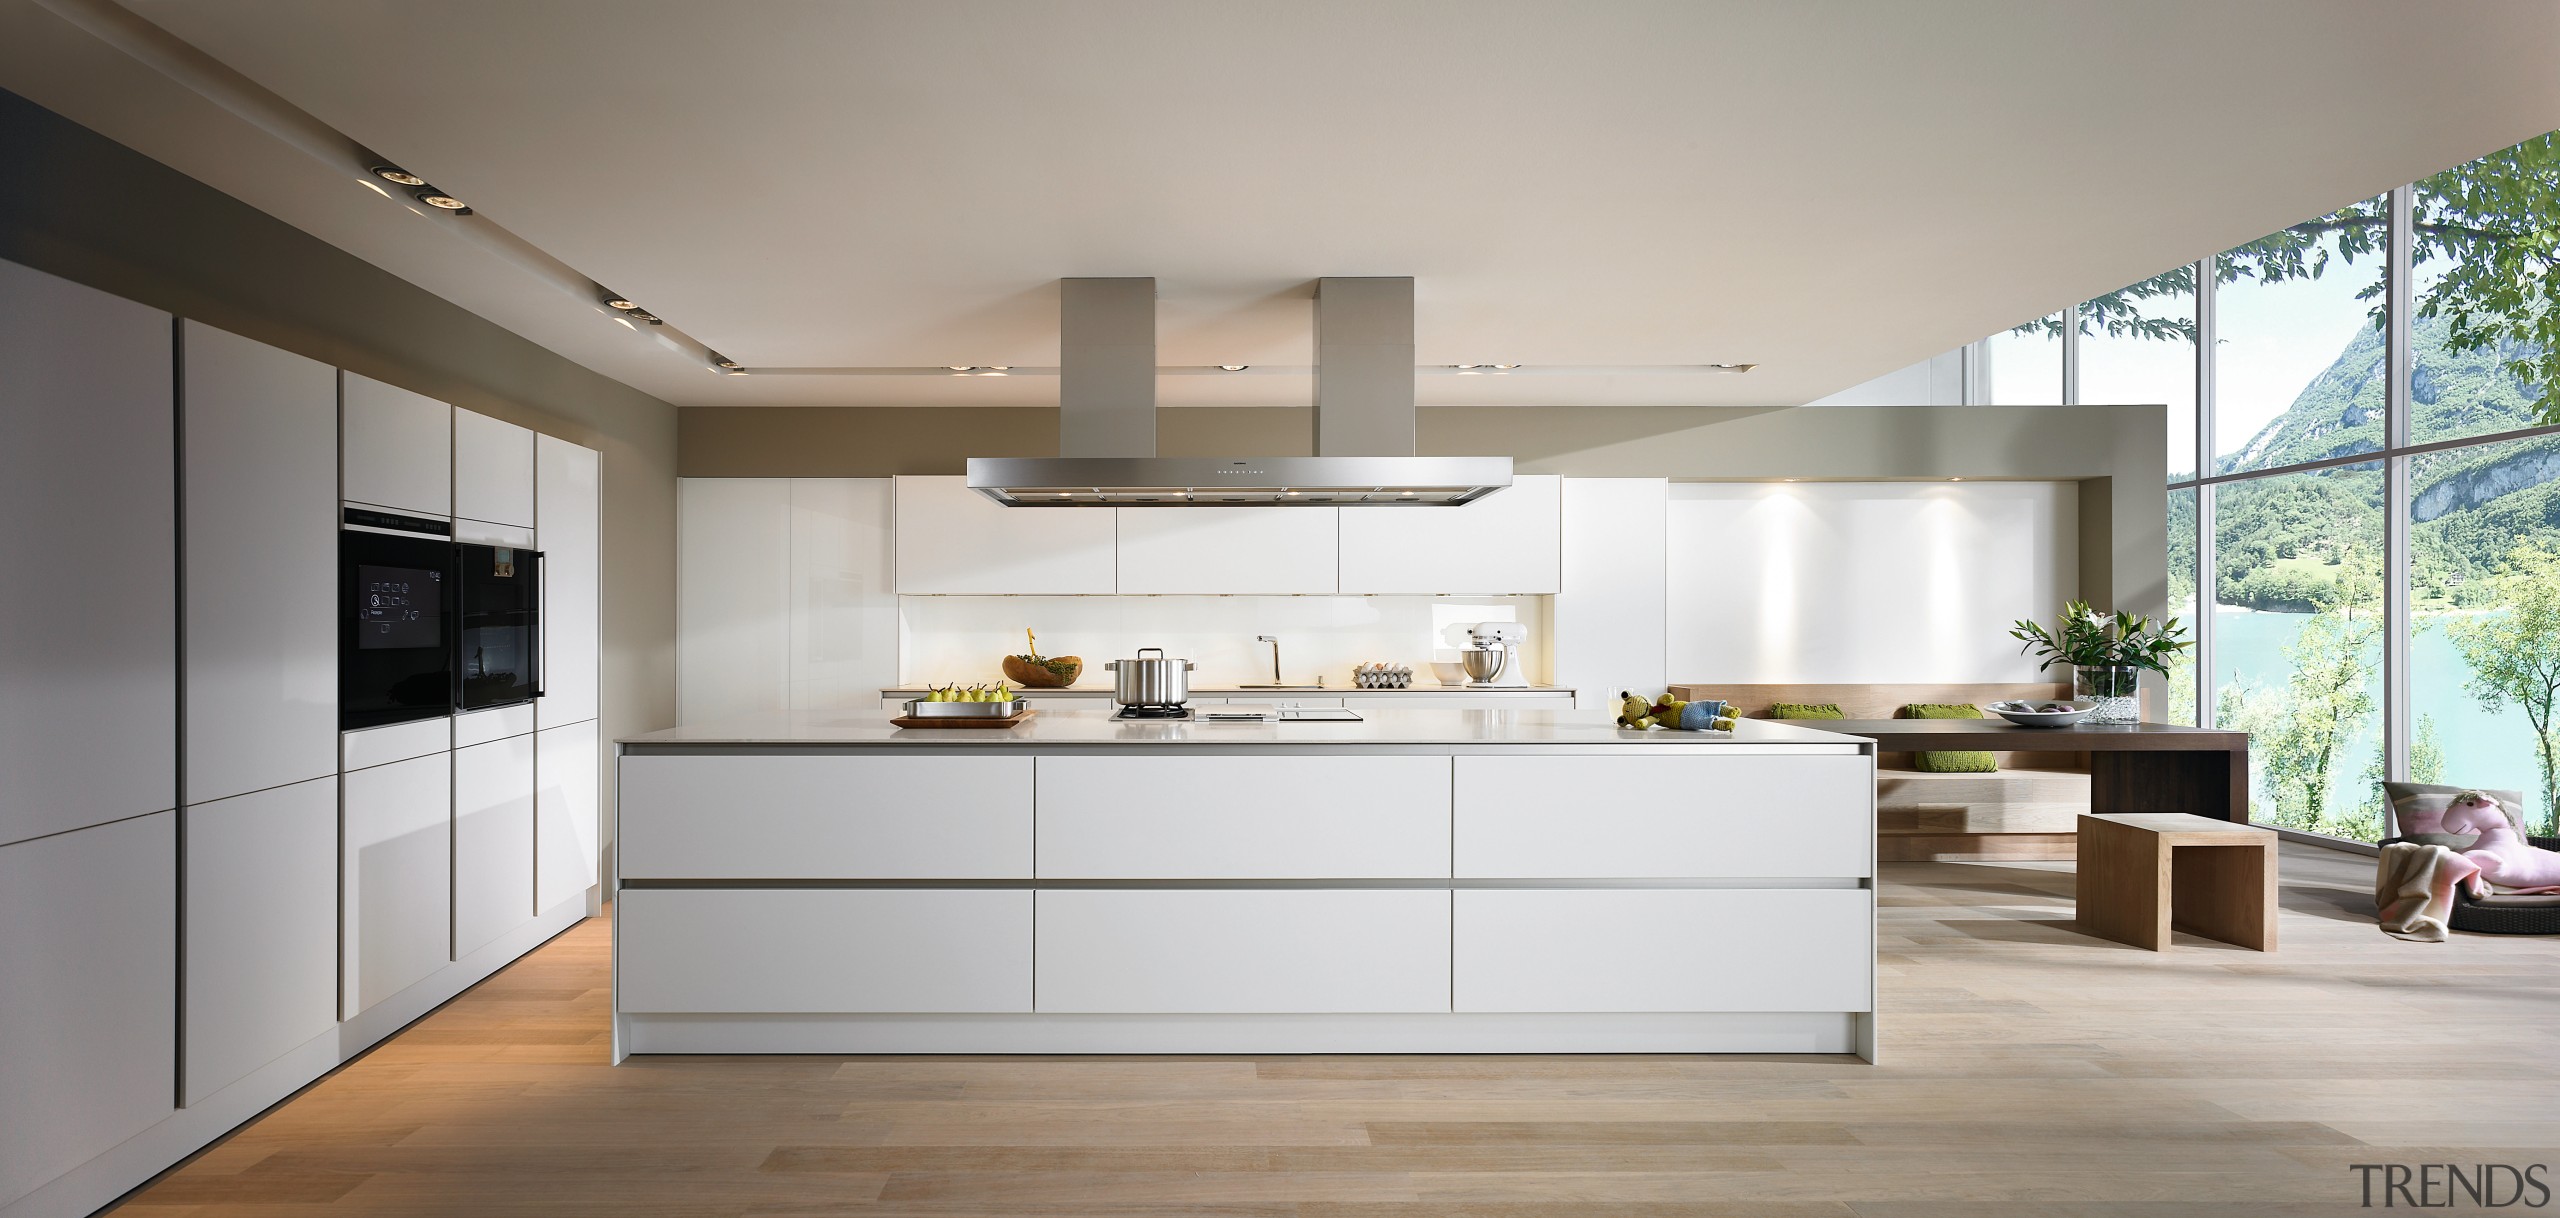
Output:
x,y
2133,767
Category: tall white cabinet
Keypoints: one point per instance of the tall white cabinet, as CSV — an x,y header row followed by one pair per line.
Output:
x,y
261,564
88,636
259,454
784,598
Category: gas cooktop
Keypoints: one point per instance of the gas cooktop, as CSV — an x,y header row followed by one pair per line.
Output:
x,y
1153,712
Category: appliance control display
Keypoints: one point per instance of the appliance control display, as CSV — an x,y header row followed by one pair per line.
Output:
x,y
403,607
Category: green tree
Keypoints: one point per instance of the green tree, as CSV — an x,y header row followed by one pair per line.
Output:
x,y
2514,654
2491,227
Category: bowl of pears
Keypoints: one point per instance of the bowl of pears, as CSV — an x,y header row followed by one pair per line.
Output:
x,y
971,702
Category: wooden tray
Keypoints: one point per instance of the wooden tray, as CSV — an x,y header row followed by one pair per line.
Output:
x,y
964,720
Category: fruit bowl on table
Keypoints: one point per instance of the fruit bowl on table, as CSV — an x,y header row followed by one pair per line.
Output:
x,y
918,708
2056,712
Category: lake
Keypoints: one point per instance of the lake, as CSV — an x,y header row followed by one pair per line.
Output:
x,y
2481,749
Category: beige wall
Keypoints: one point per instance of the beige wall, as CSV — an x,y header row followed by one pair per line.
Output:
x,y
2116,453
75,204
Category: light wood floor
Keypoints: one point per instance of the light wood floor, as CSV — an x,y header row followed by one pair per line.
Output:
x,y
2030,1070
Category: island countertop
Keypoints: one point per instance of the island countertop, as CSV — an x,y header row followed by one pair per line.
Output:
x,y
1505,729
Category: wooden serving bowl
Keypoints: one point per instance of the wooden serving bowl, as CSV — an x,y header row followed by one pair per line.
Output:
x,y
1028,675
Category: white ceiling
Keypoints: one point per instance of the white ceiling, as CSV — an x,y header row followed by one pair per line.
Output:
x,y
1831,190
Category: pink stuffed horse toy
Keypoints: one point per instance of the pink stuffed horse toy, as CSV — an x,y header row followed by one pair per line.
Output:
x,y
2505,858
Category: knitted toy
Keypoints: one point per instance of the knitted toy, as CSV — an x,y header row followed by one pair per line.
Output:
x,y
2505,858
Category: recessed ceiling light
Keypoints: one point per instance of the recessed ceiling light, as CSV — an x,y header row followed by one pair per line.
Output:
x,y
1506,367
616,302
398,176
1733,367
1465,367
999,367
649,317
724,362
444,202
960,367
1234,368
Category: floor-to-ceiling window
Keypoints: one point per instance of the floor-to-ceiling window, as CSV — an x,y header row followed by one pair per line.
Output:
x,y
2364,486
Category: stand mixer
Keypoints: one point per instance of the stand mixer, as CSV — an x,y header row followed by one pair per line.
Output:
x,y
1492,654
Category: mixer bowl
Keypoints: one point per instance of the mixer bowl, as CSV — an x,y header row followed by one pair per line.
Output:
x,y
1482,663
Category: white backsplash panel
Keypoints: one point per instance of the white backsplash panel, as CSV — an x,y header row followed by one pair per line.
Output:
x,y
944,639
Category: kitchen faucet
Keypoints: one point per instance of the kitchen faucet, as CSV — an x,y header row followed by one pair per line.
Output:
x,y
1274,640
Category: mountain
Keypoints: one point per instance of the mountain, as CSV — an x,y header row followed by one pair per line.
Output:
x,y
2286,542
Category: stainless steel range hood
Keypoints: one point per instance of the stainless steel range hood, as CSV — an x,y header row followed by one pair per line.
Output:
x,y
1364,416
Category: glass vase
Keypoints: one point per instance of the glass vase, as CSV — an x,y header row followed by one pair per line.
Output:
x,y
2113,687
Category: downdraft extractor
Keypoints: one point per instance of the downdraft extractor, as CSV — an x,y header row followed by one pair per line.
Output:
x,y
1364,416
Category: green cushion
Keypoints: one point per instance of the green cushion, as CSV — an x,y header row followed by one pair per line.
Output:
x,y
1805,710
1966,762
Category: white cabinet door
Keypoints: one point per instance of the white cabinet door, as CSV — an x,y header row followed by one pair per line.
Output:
x,y
844,618
814,950
1609,628
261,562
1229,551
733,597
952,540
397,447
88,992
566,767
1692,815
1507,542
397,873
492,470
88,640
1180,951
1665,950
262,929
493,788
567,525
845,816
1243,817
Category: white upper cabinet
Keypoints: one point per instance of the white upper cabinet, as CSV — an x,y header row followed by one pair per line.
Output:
x,y
844,619
397,450
492,470
1610,623
953,540
88,637
733,597
1509,542
261,487
567,521
1228,551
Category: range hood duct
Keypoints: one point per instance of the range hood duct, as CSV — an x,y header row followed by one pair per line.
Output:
x,y
1364,416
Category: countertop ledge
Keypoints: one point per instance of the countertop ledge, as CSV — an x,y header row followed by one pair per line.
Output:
x,y
1283,692
1499,728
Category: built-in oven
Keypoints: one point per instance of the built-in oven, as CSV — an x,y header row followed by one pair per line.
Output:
x,y
498,662
396,618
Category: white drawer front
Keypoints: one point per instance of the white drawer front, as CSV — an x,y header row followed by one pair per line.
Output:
x,y
1665,950
763,817
1159,817
823,950
1693,815
1203,951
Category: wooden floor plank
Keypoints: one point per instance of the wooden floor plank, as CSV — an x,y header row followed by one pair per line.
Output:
x,y
2028,1069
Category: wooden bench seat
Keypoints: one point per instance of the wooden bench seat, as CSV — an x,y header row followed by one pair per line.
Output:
x,y
2029,809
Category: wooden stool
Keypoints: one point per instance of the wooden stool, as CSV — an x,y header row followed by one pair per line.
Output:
x,y
2143,872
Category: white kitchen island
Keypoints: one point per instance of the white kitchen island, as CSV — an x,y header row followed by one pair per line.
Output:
x,y
1427,881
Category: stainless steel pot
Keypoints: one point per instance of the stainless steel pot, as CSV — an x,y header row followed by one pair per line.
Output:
x,y
1150,682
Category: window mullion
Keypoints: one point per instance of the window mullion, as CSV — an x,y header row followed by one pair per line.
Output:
x,y
2205,330
2399,299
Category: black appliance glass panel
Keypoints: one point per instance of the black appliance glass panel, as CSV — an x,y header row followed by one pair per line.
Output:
x,y
395,636
500,598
